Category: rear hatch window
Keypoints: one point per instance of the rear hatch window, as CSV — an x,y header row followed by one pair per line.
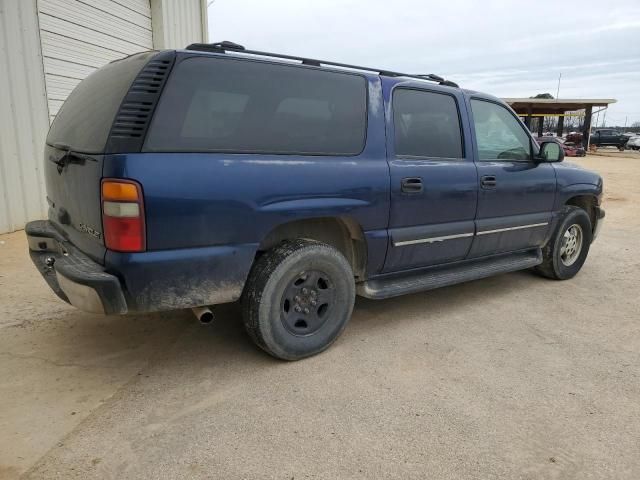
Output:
x,y
84,121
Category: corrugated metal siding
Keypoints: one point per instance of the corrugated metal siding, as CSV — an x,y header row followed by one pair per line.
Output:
x,y
79,36
23,116
177,23
46,48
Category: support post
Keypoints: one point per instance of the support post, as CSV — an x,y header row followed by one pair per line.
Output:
x,y
586,129
560,129
540,126
527,120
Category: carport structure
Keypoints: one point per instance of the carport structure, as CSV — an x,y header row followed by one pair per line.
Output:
x,y
558,107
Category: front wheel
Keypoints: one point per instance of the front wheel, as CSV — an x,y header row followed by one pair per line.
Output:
x,y
567,250
298,299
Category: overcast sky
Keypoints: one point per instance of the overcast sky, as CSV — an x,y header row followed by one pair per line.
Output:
x,y
506,48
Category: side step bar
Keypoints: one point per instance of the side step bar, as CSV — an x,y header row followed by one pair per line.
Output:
x,y
444,276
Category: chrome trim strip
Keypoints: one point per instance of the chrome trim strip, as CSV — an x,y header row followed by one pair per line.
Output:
x,y
466,235
508,229
80,296
432,239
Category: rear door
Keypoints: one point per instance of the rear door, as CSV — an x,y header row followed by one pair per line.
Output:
x,y
75,149
516,193
433,177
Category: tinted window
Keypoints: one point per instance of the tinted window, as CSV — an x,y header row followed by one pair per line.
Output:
x,y
244,106
84,121
498,134
426,124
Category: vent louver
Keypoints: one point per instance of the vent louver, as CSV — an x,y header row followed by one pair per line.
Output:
x,y
151,77
131,122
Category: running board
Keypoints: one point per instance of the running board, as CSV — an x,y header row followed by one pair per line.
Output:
x,y
444,276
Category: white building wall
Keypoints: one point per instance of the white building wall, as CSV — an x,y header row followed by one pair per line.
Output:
x,y
177,23
23,116
46,48
80,37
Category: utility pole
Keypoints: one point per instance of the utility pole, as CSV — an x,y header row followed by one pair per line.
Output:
x,y
558,90
604,118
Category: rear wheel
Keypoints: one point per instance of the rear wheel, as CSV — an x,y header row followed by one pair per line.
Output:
x,y
567,250
298,299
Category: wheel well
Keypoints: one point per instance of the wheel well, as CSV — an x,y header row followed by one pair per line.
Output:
x,y
587,203
344,234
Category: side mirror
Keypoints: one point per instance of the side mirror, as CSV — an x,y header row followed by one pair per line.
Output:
x,y
551,152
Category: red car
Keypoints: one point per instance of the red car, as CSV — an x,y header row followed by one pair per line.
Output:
x,y
570,148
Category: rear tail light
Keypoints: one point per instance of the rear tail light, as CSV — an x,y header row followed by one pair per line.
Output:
x,y
123,215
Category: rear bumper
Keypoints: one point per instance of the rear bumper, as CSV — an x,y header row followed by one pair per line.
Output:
x,y
73,276
139,282
599,221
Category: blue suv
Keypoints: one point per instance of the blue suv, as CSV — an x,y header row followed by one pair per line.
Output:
x,y
189,178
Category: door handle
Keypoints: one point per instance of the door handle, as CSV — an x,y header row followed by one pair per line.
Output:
x,y
488,181
411,185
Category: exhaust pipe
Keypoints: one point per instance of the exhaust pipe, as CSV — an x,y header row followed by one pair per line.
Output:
x,y
204,314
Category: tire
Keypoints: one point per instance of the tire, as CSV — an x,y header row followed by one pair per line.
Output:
x,y
298,299
560,264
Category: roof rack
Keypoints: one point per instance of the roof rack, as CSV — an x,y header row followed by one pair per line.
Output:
x,y
225,46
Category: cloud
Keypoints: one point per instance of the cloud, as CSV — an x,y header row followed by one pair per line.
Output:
x,y
507,48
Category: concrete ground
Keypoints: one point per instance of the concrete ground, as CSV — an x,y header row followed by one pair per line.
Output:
x,y
513,377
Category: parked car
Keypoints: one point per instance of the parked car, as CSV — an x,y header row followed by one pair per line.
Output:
x,y
574,137
573,150
569,148
634,142
607,138
189,178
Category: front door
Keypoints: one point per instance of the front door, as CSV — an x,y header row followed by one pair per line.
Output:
x,y
516,194
433,177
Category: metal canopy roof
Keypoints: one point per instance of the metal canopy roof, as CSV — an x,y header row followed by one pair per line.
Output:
x,y
559,105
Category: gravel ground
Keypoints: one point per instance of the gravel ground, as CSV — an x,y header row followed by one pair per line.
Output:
x,y
513,377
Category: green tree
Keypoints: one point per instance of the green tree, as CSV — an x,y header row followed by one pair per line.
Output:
x,y
545,96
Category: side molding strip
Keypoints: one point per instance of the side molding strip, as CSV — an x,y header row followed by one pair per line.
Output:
x,y
466,235
508,229
432,239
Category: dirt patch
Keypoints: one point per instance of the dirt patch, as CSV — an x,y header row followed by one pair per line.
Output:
x,y
613,198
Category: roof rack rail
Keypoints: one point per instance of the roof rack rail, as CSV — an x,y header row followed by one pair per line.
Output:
x,y
224,46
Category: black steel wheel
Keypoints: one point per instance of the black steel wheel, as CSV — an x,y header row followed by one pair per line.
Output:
x,y
298,299
307,302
